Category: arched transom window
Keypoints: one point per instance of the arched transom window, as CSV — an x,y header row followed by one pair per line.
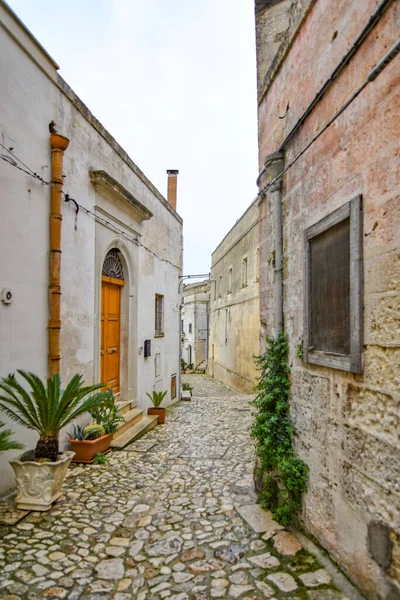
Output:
x,y
112,266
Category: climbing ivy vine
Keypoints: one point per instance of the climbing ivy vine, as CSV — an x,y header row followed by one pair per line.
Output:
x,y
283,473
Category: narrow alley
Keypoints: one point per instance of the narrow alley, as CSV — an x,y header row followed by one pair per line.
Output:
x,y
166,518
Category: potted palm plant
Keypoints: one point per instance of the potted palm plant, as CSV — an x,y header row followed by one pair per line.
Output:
x,y
88,441
156,399
46,409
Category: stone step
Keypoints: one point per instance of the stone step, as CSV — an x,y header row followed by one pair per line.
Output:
x,y
124,407
134,433
131,417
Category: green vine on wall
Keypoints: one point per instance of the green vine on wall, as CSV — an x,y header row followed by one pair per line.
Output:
x,y
283,473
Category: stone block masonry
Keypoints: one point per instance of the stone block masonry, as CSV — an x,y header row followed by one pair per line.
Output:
x,y
348,425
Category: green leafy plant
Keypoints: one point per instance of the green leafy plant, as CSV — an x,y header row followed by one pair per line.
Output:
x,y
300,351
107,414
156,398
100,459
46,408
187,387
284,474
183,365
6,443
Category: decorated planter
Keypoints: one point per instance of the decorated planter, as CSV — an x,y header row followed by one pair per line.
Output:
x,y
160,412
86,450
39,484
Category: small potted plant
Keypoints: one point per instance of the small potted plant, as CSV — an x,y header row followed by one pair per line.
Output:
x,y
45,408
88,441
156,399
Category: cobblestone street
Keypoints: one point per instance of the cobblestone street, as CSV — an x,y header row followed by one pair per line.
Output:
x,y
164,519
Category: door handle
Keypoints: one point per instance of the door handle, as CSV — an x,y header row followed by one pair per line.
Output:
x,y
111,350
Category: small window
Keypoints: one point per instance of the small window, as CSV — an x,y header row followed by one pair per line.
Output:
x,y
333,289
173,387
220,286
230,281
159,315
190,328
244,272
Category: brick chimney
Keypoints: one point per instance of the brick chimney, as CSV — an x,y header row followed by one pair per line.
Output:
x,y
172,183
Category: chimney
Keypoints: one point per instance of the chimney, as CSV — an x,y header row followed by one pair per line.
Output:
x,y
172,182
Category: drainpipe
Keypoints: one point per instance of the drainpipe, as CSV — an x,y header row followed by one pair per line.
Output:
x,y
58,144
273,165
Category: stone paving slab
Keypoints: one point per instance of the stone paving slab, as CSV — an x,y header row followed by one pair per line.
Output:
x,y
164,519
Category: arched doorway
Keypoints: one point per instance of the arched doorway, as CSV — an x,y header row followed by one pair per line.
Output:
x,y
112,281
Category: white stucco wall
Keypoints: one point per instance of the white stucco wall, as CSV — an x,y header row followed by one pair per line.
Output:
x,y
32,95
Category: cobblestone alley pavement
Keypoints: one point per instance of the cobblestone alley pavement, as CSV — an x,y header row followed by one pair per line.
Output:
x,y
164,519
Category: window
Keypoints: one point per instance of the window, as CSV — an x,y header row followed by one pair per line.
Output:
x,y
190,328
159,315
333,289
220,286
230,281
173,387
244,272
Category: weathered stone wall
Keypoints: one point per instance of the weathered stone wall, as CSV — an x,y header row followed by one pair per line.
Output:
x,y
348,425
234,317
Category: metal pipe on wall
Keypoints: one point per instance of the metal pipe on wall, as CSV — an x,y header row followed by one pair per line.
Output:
x,y
273,166
58,144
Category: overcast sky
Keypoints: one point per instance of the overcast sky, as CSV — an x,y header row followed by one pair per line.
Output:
x,y
174,82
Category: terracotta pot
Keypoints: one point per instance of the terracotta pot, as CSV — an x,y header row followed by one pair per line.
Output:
x,y
160,412
86,450
39,484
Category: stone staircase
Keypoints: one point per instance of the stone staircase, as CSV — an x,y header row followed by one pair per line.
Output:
x,y
137,423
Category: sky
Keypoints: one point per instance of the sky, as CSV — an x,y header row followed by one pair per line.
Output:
x,y
174,82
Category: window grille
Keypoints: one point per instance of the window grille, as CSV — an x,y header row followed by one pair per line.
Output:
x,y
159,314
112,266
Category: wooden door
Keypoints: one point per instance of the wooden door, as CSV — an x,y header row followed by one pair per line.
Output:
x,y
110,332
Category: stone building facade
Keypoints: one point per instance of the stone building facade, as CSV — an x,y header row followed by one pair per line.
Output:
x,y
122,249
234,316
340,266
195,323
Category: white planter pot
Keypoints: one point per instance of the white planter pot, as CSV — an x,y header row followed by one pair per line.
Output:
x,y
39,484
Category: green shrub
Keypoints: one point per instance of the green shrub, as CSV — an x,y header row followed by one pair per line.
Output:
x,y
107,414
284,474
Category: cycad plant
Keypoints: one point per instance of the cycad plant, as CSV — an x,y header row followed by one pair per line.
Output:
x,y
45,407
156,398
6,443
